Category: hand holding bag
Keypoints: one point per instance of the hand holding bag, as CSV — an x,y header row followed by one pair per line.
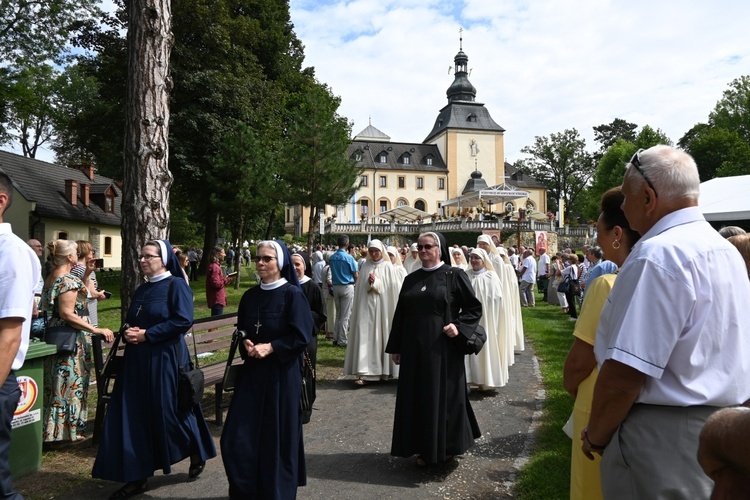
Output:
x,y
476,340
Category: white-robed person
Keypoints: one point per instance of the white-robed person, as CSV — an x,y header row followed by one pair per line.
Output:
x,y
395,257
375,298
458,259
489,368
412,262
512,303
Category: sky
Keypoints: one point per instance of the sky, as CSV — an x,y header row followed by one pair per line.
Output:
x,y
540,66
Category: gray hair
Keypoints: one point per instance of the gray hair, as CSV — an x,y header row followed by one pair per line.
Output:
x,y
728,231
60,249
673,173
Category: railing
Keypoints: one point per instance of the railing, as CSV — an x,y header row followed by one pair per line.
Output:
x,y
459,225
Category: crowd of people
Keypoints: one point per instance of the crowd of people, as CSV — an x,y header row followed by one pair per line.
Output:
x,y
657,367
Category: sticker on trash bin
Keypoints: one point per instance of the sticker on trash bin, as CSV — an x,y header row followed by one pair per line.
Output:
x,y
29,393
27,418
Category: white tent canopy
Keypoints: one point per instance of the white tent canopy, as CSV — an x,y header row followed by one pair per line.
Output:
x,y
496,195
726,198
404,213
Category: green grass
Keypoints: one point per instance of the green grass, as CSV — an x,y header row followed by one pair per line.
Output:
x,y
547,475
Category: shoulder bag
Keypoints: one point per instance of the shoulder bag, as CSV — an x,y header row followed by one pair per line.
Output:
x,y
564,285
307,394
62,336
190,382
476,340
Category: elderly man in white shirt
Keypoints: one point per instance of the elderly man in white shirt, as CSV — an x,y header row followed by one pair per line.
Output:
x,y
527,272
673,342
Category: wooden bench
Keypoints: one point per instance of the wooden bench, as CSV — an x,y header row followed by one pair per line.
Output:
x,y
211,334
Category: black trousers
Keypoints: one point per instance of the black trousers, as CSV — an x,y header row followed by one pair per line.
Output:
x,y
570,296
10,393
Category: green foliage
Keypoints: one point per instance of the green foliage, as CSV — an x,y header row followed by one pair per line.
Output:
x,y
609,173
34,31
315,170
33,93
649,137
547,475
721,147
732,112
562,163
606,135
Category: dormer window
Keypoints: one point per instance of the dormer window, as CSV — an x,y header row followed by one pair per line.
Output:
x,y
357,155
383,158
109,203
405,159
428,160
471,118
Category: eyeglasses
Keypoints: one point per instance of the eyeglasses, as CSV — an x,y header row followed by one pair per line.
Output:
x,y
147,257
265,258
426,246
636,162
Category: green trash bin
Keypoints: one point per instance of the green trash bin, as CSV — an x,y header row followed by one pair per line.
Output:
x,y
26,436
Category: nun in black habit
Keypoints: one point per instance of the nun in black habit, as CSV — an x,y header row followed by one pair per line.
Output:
x,y
433,418
261,444
144,430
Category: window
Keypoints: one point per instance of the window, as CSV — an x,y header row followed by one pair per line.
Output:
x,y
357,155
383,206
108,245
471,118
406,159
441,182
365,207
383,181
62,235
401,181
401,202
109,204
420,182
383,158
419,205
510,207
429,160
363,181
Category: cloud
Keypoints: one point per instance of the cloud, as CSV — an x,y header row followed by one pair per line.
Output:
x,y
539,67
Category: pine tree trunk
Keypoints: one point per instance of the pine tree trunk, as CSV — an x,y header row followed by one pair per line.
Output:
x,y
147,180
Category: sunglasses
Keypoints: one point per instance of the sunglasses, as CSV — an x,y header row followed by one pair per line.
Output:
x,y
265,258
636,162
426,246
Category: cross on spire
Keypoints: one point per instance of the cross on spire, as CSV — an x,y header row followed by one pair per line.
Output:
x,y
460,38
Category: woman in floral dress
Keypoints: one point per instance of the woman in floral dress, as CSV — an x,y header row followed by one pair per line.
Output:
x,y
66,376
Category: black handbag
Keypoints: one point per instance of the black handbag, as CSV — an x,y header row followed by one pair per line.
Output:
x,y
474,343
231,371
307,394
190,384
63,336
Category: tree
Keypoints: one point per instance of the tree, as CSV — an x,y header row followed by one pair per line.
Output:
x,y
147,180
609,173
649,137
242,182
732,112
316,170
562,163
35,31
32,106
606,135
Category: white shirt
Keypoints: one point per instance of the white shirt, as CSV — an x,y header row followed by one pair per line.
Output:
x,y
529,267
19,273
514,260
544,261
679,313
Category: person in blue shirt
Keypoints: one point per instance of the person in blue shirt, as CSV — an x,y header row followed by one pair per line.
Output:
x,y
344,273
599,266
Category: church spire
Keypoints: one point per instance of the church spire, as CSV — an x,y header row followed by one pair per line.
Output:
x,y
461,89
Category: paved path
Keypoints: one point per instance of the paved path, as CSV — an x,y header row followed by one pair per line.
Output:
x,y
347,446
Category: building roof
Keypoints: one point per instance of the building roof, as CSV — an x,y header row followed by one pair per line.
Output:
x,y
44,184
724,199
369,153
372,134
520,179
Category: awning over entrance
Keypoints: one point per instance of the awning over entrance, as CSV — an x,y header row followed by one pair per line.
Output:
x,y
404,213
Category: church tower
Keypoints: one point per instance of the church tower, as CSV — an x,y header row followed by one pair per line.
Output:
x,y
465,133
